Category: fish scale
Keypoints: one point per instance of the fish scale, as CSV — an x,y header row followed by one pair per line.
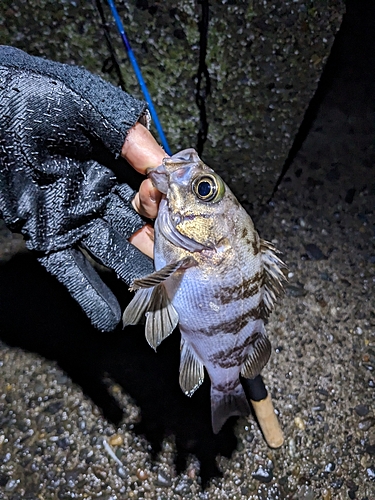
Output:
x,y
214,277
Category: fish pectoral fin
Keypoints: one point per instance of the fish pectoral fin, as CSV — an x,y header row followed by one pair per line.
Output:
x,y
159,276
227,404
191,370
136,309
161,317
257,358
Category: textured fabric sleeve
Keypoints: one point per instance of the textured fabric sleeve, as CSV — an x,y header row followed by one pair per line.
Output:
x,y
100,110
56,123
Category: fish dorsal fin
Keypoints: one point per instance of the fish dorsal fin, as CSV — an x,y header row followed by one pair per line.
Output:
x,y
274,277
161,317
159,276
136,309
191,370
257,358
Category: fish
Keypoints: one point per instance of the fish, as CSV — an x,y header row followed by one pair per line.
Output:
x,y
214,277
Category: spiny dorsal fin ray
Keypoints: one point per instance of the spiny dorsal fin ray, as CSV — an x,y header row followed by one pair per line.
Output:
x,y
227,404
257,358
161,317
274,277
136,309
161,275
191,370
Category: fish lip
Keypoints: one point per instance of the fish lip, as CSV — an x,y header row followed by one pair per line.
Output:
x,y
159,178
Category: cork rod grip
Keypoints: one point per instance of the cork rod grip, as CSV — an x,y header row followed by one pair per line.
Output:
x,y
268,422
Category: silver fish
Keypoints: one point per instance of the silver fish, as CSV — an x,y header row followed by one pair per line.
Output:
x,y
214,277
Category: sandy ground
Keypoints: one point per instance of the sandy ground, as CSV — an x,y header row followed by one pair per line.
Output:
x,y
70,397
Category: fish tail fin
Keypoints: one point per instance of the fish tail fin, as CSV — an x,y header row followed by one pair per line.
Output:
x,y
227,404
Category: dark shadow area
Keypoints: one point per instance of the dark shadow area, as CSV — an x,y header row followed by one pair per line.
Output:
x,y
37,314
350,70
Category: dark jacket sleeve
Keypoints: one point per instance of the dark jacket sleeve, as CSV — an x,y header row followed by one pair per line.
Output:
x,y
56,122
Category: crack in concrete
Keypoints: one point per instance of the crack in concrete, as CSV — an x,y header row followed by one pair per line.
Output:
x,y
203,87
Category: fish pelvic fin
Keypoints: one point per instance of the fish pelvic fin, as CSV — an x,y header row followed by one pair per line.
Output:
x,y
274,278
161,317
260,352
191,369
157,277
137,307
227,404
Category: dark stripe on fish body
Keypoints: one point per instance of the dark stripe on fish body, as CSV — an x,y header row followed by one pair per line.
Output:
x,y
233,326
253,240
228,386
254,243
244,290
235,356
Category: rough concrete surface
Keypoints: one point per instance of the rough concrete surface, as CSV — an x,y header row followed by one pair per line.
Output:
x,y
70,396
263,62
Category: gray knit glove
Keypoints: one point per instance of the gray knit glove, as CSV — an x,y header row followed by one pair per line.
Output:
x,y
61,134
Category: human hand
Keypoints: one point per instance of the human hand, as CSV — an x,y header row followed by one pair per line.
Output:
x,y
61,131
143,152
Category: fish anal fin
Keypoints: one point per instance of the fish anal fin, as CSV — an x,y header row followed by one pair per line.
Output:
x,y
191,370
137,307
259,354
161,317
225,405
157,277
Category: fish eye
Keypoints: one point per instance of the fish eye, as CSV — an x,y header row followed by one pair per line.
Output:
x,y
208,187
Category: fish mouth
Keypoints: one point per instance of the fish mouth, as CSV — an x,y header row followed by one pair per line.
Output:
x,y
159,178
160,175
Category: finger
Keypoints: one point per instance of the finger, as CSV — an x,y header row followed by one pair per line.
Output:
x,y
146,201
143,239
84,284
141,150
113,251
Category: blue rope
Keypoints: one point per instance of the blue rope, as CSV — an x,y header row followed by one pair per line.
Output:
x,y
139,76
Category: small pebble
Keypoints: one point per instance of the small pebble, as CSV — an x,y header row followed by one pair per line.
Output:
x,y
61,378
299,423
295,290
327,495
366,424
371,473
292,447
314,252
362,410
122,472
306,493
319,407
116,440
263,475
11,484
182,488
163,480
142,474
53,408
330,467
337,483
